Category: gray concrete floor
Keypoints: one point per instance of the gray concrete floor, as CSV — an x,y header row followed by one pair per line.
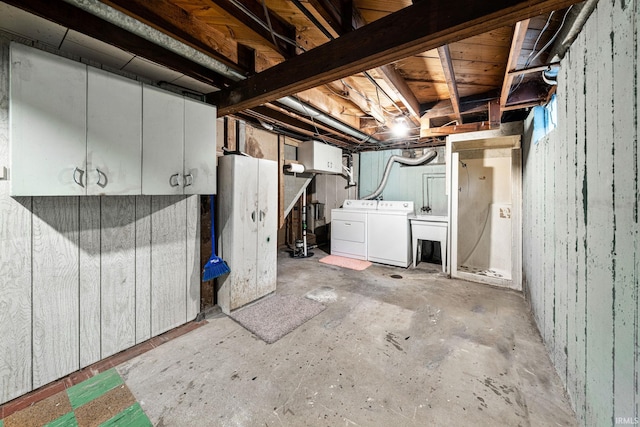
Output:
x,y
413,351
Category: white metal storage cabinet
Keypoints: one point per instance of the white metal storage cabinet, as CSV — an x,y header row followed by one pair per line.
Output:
x,y
319,157
248,225
178,144
48,123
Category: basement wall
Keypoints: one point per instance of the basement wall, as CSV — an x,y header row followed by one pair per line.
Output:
x,y
581,250
82,278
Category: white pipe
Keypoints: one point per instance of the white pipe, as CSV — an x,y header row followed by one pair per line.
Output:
x,y
427,157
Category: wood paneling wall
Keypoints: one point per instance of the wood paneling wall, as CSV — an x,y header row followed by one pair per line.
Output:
x,y
581,197
82,278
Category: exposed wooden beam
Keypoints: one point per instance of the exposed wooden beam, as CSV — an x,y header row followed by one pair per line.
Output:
x,y
414,29
243,10
450,130
494,112
468,104
522,105
84,22
519,35
175,22
337,13
530,70
450,78
402,89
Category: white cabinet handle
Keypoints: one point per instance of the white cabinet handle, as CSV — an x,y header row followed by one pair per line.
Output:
x,y
253,216
78,174
101,175
262,215
188,179
173,180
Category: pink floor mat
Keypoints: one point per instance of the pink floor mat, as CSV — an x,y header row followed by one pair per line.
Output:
x,y
353,264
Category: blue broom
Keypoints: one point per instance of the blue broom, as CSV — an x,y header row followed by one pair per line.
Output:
x,y
216,266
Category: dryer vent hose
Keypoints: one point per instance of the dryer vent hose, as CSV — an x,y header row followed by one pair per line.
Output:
x,y
425,158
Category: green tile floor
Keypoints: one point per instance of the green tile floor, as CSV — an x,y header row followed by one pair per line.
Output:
x,y
103,400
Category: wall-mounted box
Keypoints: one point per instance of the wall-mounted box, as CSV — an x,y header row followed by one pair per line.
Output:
x,y
319,157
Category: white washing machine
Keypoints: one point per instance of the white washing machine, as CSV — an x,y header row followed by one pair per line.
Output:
x,y
349,226
389,233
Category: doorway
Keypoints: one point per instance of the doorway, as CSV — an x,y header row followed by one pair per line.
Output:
x,y
485,210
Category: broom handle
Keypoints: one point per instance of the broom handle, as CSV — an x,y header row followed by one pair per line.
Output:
x,y
213,234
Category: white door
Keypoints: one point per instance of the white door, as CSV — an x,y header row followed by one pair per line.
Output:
x,y
199,148
114,134
245,229
48,124
267,224
162,142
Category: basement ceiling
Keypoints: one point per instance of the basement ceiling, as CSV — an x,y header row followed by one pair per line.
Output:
x,y
353,73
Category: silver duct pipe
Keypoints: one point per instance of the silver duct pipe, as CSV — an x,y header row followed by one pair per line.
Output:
x,y
425,158
577,18
138,28
315,114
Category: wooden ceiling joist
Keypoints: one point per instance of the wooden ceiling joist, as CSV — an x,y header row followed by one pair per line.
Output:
x,y
402,89
530,70
468,105
450,77
84,22
337,13
519,36
414,29
454,129
246,10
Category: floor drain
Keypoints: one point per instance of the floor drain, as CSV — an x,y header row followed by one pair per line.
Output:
x,y
396,276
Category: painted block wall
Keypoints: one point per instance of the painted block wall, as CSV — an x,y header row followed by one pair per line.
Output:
x,y
405,182
581,196
82,278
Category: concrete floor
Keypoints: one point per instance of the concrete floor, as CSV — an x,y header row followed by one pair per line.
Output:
x,y
412,351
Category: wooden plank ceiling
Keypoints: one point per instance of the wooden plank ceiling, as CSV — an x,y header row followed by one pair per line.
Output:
x,y
436,66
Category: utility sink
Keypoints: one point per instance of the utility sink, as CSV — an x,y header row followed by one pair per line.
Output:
x,y
429,227
430,218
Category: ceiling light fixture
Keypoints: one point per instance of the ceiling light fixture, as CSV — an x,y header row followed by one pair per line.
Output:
x,y
400,128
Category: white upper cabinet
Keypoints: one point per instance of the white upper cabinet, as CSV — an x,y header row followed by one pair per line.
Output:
x,y
48,98
114,134
320,157
162,142
199,147
78,130
179,144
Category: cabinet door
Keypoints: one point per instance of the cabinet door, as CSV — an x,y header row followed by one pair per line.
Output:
x,y
238,227
267,234
48,123
330,158
199,148
114,134
162,142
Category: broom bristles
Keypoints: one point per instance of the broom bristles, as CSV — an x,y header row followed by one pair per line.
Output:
x,y
215,267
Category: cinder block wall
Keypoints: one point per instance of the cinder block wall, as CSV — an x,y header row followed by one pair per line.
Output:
x,y
581,253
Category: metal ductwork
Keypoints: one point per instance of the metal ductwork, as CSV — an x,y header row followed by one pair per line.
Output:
x,y
575,21
307,110
425,158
